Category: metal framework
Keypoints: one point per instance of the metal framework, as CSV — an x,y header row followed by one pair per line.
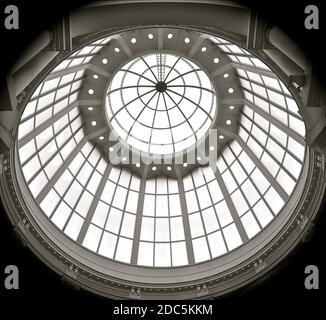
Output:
x,y
163,222
158,230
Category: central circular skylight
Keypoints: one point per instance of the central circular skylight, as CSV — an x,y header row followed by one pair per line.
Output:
x,y
161,103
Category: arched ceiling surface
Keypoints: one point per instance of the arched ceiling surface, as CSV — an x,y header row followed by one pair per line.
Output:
x,y
131,215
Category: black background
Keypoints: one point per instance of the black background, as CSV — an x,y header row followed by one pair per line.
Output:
x,y
282,291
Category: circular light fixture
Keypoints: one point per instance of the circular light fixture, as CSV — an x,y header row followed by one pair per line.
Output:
x,y
117,50
203,49
230,90
225,75
111,149
228,122
216,60
101,138
211,148
231,107
168,168
187,40
185,164
221,137
133,40
150,36
95,76
154,168
104,61
170,36
91,91
138,165
90,108
93,123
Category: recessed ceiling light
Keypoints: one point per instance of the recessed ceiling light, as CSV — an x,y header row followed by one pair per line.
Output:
x,y
225,75
231,107
124,159
111,149
187,40
211,148
168,168
101,138
138,165
185,165
94,123
117,50
203,49
216,60
230,90
91,91
150,36
95,76
90,108
221,137
228,122
133,40
154,168
198,158
170,36
104,61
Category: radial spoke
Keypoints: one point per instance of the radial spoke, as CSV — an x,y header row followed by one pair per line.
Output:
x,y
190,86
138,74
152,128
150,69
172,68
197,105
192,129
133,100
129,87
169,120
140,114
183,74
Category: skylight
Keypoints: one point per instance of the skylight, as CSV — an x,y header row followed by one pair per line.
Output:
x,y
161,103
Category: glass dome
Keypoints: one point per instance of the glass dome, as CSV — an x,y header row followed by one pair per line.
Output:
x,y
162,102
177,106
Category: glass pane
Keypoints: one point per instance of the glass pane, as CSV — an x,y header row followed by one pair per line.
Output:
x,y
216,244
61,215
232,236
196,226
145,254
123,253
92,238
162,255
162,232
262,213
73,228
114,220
210,220
177,232
147,229
179,254
108,245
250,225
201,252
